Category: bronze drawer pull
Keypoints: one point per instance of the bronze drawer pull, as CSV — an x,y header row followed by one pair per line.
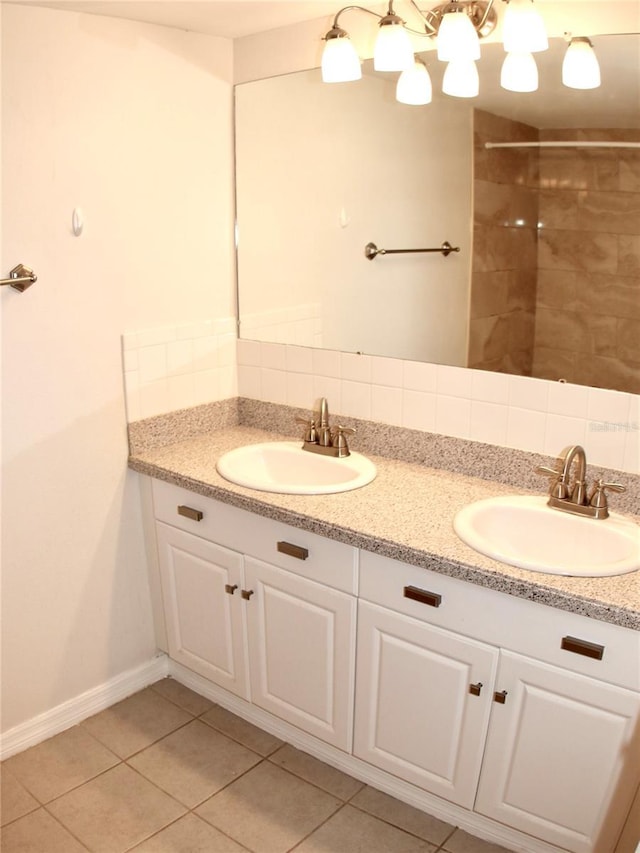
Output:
x,y
246,593
290,550
230,588
500,697
475,689
582,647
189,512
433,599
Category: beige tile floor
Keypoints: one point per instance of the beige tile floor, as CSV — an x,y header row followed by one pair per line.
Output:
x,y
166,770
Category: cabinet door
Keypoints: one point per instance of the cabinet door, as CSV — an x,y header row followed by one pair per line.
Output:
x,y
563,756
201,585
301,651
422,702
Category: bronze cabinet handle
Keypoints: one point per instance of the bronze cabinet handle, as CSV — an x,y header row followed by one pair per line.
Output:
x,y
246,594
582,647
230,588
189,512
433,599
290,550
475,689
500,697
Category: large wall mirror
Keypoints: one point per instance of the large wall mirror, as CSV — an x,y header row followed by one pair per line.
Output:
x,y
546,281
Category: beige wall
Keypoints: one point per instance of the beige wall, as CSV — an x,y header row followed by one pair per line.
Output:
x,y
132,123
303,230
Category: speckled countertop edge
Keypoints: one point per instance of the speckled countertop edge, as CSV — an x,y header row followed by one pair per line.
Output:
x,y
405,514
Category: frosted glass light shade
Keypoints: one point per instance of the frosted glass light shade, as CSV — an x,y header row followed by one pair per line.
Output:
x,y
457,38
580,67
519,73
340,62
523,29
461,79
393,50
414,86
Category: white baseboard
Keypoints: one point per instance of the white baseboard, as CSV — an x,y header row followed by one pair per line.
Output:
x,y
75,710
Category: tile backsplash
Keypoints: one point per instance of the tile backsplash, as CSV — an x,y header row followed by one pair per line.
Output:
x,y
536,415
176,367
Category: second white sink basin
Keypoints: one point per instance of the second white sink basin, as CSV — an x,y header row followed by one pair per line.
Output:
x,y
284,467
523,531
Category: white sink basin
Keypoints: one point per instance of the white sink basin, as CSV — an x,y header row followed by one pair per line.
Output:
x,y
284,467
523,531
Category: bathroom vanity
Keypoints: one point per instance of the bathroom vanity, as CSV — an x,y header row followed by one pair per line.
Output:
x,y
360,629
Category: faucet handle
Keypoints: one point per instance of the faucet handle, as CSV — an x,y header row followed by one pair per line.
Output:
x,y
557,487
339,441
599,497
310,435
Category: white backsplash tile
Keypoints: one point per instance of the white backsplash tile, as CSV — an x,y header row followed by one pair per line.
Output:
x,y
354,367
249,384
608,406
419,410
562,431
386,404
488,422
453,416
526,393
297,390
356,399
489,387
299,359
419,376
176,367
326,363
526,429
386,371
567,399
527,414
453,381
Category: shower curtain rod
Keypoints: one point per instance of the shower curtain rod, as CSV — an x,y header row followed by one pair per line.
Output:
x,y
576,144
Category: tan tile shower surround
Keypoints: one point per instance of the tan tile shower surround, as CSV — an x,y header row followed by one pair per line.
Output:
x,y
561,301
166,770
406,513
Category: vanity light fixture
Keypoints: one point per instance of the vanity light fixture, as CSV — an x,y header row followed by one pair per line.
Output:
x,y
414,85
523,28
457,27
580,68
393,50
519,73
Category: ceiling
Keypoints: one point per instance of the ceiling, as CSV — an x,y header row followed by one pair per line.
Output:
x,y
226,19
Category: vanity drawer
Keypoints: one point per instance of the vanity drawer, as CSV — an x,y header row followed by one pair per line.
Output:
x,y
569,640
307,554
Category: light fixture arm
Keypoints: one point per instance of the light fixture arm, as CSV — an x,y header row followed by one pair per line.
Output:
x,y
336,29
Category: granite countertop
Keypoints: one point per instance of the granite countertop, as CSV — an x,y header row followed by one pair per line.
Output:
x,y
406,513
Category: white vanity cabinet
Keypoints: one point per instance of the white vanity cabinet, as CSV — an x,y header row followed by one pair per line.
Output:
x,y
205,625
562,757
422,702
553,751
277,637
517,721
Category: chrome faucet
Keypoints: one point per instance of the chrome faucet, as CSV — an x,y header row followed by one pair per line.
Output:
x,y
573,498
320,437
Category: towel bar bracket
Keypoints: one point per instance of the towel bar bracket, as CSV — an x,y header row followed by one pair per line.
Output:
x,y
20,278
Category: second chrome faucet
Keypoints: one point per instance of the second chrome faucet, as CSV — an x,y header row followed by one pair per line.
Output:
x,y
320,437
574,498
